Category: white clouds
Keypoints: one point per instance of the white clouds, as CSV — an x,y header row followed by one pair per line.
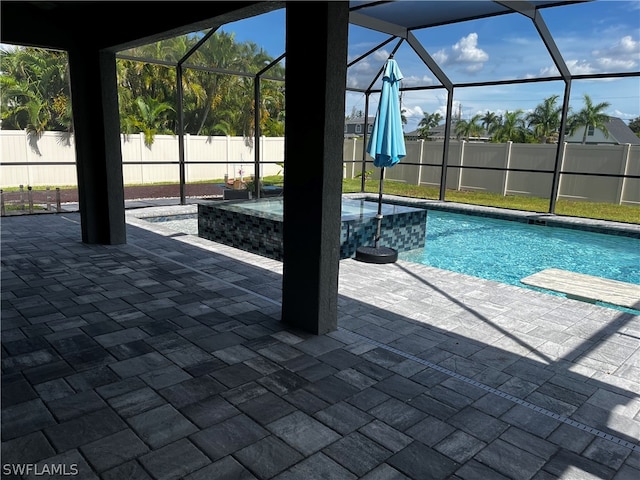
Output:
x,y
413,111
623,55
625,46
467,50
417,81
576,67
614,64
441,57
464,53
381,55
361,74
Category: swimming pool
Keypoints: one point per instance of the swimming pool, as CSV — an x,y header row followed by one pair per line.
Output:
x,y
507,251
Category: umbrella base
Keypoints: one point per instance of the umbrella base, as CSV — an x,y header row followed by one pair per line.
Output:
x,y
376,255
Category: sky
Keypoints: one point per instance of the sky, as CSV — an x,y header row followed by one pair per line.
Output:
x,y
602,36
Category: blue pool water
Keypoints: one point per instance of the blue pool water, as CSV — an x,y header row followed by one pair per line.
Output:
x,y
273,207
507,251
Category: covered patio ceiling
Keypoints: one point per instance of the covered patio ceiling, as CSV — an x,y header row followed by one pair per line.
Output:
x,y
418,14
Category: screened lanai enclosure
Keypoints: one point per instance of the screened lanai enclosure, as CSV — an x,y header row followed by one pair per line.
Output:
x,y
476,72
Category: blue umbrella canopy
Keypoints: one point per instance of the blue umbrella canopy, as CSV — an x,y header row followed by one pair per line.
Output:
x,y
386,144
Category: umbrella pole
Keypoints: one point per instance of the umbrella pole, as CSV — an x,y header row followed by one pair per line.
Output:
x,y
377,254
379,215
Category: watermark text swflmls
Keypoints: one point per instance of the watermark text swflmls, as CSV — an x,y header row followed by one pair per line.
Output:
x,y
47,469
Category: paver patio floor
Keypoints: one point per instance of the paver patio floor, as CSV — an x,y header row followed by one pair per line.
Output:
x,y
165,358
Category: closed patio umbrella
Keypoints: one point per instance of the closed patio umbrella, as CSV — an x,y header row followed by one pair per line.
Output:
x,y
386,146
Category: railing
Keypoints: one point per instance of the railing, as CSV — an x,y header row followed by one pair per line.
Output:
x,y
29,201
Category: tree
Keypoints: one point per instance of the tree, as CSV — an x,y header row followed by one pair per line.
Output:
x,y
634,125
512,128
544,121
429,121
35,91
489,119
469,128
590,116
490,122
151,119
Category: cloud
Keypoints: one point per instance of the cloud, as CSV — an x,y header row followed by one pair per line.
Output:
x,y
441,57
576,67
623,55
415,111
623,115
464,53
361,74
417,81
381,55
467,50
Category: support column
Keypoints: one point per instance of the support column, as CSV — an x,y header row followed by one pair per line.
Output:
x,y
96,122
315,98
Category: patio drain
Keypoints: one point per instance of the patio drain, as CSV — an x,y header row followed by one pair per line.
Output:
x,y
495,391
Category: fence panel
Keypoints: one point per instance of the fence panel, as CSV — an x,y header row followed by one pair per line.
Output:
x,y
353,150
630,194
233,154
533,157
483,155
403,172
607,159
432,154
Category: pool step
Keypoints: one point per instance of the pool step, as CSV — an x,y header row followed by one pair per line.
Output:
x,y
586,287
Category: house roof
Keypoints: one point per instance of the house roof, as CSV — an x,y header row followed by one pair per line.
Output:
x,y
621,131
360,120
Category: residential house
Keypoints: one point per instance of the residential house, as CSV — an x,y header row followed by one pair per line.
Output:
x,y
619,133
437,134
354,127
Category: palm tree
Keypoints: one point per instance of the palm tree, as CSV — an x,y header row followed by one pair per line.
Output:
x,y
545,119
469,128
590,116
512,128
151,119
35,91
429,121
34,88
490,122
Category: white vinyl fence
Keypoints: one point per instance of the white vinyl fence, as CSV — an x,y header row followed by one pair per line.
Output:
x,y
422,166
51,162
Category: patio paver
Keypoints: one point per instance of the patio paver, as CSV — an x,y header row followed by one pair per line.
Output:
x,y
165,358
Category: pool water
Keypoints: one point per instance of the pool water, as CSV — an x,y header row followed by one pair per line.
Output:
x,y
507,251
350,207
